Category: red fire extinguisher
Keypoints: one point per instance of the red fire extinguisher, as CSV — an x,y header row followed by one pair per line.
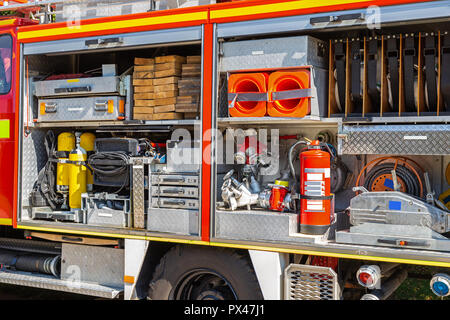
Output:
x,y
315,186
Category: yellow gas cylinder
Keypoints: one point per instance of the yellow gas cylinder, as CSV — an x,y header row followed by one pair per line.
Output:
x,y
87,141
66,143
77,177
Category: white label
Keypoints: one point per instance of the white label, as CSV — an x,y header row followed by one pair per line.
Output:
x,y
257,53
74,109
415,137
327,172
314,177
314,205
108,215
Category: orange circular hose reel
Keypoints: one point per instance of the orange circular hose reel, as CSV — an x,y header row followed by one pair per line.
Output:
x,y
248,83
284,81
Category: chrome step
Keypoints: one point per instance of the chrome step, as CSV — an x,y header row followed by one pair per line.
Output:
x,y
51,283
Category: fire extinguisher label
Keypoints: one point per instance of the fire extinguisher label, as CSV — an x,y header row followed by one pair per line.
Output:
x,y
314,177
316,205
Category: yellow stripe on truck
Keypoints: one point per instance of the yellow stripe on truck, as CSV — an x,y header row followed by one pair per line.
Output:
x,y
276,7
248,247
104,26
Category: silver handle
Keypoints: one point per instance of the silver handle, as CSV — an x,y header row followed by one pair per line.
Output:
x,y
101,106
179,191
175,202
50,107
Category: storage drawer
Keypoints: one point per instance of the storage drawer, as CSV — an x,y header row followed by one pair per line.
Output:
x,y
81,109
177,221
175,179
81,86
176,203
112,212
174,191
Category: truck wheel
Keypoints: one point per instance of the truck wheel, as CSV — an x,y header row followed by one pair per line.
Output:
x,y
202,273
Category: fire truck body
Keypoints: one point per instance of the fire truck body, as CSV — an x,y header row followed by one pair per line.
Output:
x,y
349,191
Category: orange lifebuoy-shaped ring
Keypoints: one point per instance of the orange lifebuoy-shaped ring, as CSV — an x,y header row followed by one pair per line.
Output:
x,y
280,81
248,83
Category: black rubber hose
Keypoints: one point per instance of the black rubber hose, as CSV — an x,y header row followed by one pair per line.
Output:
x,y
411,181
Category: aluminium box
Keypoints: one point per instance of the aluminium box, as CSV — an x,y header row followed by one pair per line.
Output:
x,y
286,52
102,108
79,86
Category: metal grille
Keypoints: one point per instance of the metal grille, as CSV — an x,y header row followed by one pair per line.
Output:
x,y
305,282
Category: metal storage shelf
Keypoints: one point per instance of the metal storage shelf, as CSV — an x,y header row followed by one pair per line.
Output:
x,y
273,120
99,125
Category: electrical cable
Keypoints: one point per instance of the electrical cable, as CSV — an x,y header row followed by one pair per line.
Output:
x,y
110,164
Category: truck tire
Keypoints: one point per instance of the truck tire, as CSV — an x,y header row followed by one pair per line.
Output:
x,y
203,273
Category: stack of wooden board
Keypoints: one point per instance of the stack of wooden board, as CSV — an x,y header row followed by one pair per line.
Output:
x,y
144,72
188,100
167,75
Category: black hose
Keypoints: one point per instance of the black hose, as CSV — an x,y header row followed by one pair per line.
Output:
x,y
110,164
412,183
24,261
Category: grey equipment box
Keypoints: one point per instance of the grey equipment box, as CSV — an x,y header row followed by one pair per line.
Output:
x,y
76,87
101,108
177,221
174,179
175,191
106,210
175,203
183,157
300,51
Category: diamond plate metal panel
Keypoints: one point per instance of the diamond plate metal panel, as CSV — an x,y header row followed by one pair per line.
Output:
x,y
92,264
138,194
395,139
306,282
51,283
274,53
33,160
251,225
177,221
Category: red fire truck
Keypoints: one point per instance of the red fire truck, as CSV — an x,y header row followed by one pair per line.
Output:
x,y
194,150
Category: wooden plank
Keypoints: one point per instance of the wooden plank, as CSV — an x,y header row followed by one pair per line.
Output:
x,y
172,58
144,96
191,67
143,61
191,115
168,66
142,82
166,108
143,116
78,239
166,94
188,92
163,81
150,67
143,110
168,116
166,87
143,89
189,83
188,99
168,73
144,103
193,107
186,74
193,59
165,101
143,75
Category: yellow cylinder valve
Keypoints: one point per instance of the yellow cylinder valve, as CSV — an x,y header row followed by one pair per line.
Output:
x,y
77,177
66,143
